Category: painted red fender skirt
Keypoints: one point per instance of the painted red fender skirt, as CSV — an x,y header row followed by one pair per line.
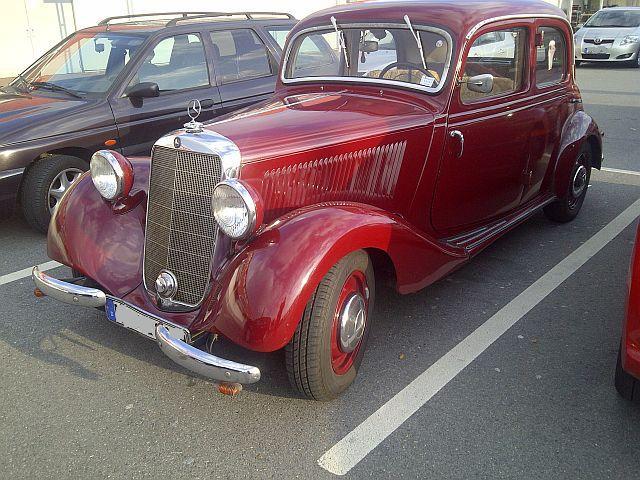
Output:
x,y
630,353
266,286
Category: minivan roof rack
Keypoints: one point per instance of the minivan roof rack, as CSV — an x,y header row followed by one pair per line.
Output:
x,y
247,15
180,16
108,20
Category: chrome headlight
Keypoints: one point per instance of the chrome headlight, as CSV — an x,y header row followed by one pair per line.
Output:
x,y
111,173
236,208
630,39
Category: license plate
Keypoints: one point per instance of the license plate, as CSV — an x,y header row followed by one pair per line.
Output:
x,y
139,321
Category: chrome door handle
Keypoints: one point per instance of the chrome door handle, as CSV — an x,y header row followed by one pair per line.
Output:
x,y
458,134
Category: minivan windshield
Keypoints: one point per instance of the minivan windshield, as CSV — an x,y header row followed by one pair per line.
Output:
x,y
371,54
615,18
86,64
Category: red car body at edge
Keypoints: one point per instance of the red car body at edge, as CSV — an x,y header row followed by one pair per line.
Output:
x,y
403,138
627,378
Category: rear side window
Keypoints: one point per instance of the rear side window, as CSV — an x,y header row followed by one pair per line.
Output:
x,y
501,53
279,34
176,63
551,56
239,55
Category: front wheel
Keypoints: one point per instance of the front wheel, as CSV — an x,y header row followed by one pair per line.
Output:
x,y
567,208
44,185
325,352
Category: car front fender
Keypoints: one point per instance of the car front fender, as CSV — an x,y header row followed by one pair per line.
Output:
x,y
262,292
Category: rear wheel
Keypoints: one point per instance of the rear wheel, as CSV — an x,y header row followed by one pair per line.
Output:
x,y
44,185
326,350
567,208
626,385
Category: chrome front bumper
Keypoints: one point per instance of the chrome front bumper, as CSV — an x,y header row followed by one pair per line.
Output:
x,y
180,352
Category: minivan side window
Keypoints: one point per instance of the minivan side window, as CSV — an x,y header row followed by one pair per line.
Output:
x,y
239,55
279,34
176,63
551,56
501,53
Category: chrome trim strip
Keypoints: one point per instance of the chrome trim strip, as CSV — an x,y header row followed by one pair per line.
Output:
x,y
203,363
11,173
374,81
205,142
68,292
180,352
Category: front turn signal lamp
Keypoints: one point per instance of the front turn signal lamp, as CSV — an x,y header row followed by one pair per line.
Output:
x,y
112,174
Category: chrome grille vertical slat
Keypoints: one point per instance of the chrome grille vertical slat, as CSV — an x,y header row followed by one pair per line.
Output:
x,y
181,231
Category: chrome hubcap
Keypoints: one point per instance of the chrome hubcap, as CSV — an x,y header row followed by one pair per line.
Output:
x,y
579,182
60,185
352,322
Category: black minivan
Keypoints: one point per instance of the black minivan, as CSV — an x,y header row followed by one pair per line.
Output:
x,y
123,84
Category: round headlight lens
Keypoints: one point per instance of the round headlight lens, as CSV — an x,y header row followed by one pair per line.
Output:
x,y
234,209
107,174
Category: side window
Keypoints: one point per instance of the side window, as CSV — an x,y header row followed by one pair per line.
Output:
x,y
551,56
279,34
239,55
503,55
176,63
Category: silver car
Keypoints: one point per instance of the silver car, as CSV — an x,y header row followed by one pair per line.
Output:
x,y
611,35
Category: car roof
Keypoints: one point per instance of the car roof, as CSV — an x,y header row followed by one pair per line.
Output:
x,y
457,16
146,24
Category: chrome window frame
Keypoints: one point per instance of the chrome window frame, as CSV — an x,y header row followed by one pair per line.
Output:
x,y
365,80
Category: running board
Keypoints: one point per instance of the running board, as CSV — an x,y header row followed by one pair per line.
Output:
x,y
475,240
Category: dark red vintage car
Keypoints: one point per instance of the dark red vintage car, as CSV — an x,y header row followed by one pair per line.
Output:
x,y
627,378
403,138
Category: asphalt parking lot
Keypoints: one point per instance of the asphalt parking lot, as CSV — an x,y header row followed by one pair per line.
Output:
x,y
82,398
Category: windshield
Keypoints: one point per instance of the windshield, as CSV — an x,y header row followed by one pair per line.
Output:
x,y
372,55
86,64
615,18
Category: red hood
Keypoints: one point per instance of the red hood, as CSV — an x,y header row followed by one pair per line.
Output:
x,y
294,124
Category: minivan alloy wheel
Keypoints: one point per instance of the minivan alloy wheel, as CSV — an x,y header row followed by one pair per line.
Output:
x,y
60,185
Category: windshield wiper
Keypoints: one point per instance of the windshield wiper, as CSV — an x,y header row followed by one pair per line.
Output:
x,y
343,43
55,88
417,39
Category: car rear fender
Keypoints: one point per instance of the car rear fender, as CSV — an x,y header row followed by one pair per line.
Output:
x,y
578,129
262,292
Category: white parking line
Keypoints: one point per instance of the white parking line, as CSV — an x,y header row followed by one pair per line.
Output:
x,y
12,277
616,170
357,444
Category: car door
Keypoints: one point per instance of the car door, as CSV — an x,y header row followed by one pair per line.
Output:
x,y
178,65
482,171
245,69
553,103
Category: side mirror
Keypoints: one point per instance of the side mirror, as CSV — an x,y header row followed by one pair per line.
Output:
x,y
480,83
143,90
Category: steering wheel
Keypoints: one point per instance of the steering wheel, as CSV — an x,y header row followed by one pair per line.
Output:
x,y
407,66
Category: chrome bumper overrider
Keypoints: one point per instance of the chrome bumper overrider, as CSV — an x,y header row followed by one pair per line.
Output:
x,y
180,352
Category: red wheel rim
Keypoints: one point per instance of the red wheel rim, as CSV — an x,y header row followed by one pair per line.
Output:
x,y
354,285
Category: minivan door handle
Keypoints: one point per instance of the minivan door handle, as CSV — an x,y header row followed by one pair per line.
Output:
x,y
458,134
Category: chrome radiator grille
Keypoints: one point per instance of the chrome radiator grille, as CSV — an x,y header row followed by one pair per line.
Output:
x,y
181,231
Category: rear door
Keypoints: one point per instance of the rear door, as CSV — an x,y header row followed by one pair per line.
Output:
x,y
178,64
244,67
